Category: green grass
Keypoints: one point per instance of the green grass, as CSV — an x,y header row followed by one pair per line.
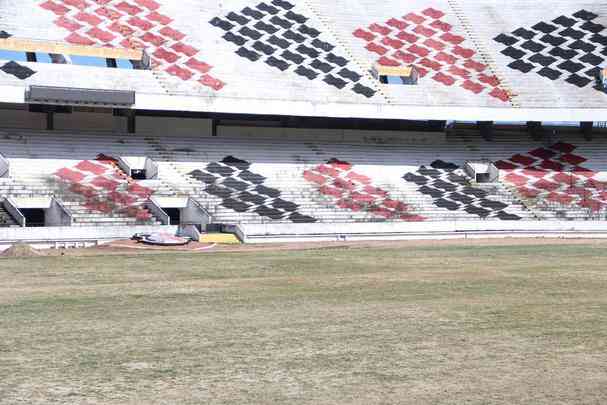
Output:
x,y
440,324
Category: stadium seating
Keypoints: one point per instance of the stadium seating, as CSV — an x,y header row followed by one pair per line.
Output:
x,y
314,57
91,187
556,183
334,190
272,180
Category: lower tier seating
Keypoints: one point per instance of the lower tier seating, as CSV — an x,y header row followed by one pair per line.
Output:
x,y
555,182
96,192
274,180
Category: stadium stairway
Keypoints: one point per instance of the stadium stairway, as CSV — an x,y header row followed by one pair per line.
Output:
x,y
6,219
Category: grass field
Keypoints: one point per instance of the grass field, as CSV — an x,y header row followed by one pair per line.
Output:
x,y
406,324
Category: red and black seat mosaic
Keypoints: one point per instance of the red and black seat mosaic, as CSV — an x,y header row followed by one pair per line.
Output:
x,y
555,178
242,190
450,189
17,70
135,24
283,39
347,189
105,188
425,40
569,47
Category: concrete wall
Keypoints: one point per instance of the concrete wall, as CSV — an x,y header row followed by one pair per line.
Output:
x,y
151,169
261,233
134,162
22,119
173,126
107,122
203,128
193,213
76,233
351,135
89,121
57,215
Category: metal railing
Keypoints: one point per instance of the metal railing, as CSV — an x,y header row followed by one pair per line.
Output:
x,y
11,207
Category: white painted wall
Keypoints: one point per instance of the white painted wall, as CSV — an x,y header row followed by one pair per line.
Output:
x,y
134,162
263,233
77,233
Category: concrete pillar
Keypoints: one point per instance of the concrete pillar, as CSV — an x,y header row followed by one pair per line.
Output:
x,y
434,125
50,121
486,129
214,127
131,121
535,129
586,128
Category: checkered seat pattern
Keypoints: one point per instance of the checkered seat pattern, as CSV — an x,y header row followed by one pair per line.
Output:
x,y
569,47
449,188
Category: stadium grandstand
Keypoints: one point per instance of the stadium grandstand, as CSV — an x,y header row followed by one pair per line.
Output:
x,y
299,120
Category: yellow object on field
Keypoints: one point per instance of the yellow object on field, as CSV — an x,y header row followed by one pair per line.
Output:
x,y
220,238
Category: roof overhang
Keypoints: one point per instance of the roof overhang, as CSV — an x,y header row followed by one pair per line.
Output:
x,y
226,105
368,111
76,96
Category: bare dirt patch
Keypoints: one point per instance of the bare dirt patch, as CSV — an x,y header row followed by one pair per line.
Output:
x,y
133,247
21,250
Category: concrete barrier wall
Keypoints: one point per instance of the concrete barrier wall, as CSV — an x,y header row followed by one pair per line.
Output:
x,y
203,128
57,215
336,135
89,121
194,213
260,233
76,233
22,119
151,169
173,126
